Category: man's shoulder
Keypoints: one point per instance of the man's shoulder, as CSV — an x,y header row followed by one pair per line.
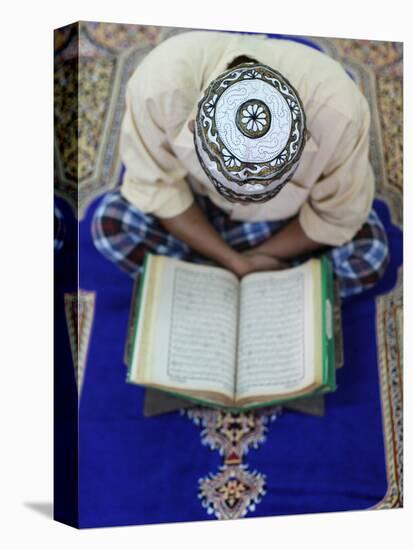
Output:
x,y
176,62
320,80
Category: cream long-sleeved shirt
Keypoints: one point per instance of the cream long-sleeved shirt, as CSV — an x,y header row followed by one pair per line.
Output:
x,y
333,187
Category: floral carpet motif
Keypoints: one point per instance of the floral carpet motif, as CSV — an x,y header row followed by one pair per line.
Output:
x,y
79,310
93,62
390,337
234,490
87,164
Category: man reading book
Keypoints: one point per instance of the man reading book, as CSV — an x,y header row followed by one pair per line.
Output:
x,y
246,152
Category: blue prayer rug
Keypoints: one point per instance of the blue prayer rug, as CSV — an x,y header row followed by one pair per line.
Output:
x,y
202,463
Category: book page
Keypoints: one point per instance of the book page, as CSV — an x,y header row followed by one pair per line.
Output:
x,y
194,332
275,332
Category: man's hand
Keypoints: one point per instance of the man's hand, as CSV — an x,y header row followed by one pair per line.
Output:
x,y
289,242
252,261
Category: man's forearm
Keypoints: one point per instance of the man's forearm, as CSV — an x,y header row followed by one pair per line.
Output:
x,y
289,242
194,229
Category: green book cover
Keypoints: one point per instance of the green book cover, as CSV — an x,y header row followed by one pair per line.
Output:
x,y
329,355
134,314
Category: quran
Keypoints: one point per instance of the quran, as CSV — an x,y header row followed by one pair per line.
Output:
x,y
198,332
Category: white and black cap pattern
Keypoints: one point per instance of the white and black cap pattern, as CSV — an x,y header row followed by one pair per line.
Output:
x,y
250,132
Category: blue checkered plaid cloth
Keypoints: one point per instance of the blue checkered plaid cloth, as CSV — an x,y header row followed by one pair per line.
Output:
x,y
123,234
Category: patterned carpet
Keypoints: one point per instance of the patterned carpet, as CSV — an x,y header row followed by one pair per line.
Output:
x,y
95,68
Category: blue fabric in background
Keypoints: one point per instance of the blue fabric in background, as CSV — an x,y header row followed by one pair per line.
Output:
x,y
136,470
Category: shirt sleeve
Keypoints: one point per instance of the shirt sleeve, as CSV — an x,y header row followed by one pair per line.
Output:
x,y
154,177
340,201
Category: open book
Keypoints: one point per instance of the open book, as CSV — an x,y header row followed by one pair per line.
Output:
x,y
200,333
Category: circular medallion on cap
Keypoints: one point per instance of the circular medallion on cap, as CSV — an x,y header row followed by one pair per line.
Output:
x,y
250,132
253,118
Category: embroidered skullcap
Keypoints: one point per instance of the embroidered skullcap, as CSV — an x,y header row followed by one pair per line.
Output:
x,y
250,132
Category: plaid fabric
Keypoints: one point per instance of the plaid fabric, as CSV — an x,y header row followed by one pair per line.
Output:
x,y
59,229
123,234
